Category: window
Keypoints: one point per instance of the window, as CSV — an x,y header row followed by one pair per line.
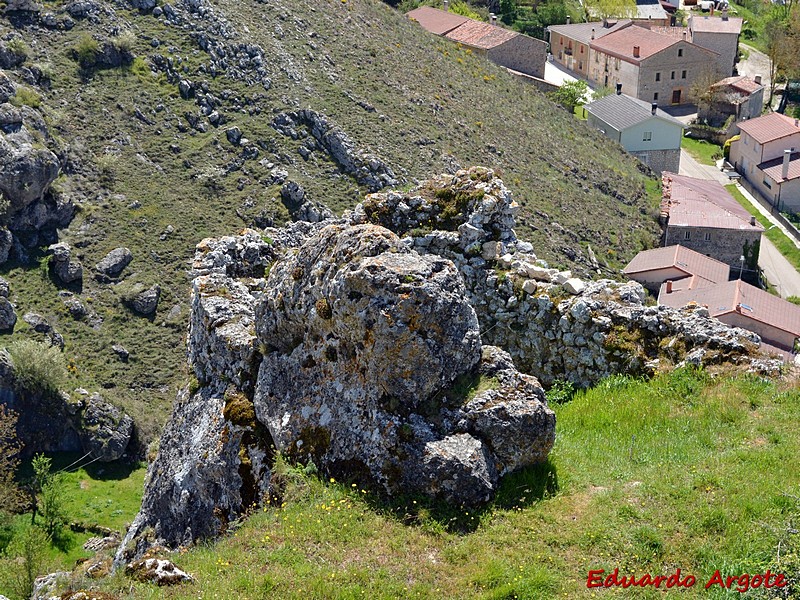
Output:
x,y
658,76
672,76
680,51
767,183
655,97
706,237
581,49
616,64
580,65
647,136
596,57
687,235
683,74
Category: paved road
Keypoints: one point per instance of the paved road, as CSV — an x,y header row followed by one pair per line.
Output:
x,y
757,63
778,271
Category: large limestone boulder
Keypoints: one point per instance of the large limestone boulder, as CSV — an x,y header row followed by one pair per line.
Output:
x,y
65,267
113,263
26,169
105,430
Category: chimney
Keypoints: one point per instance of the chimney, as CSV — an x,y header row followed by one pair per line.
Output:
x,y
636,52
669,286
724,14
684,35
797,122
592,32
446,5
493,18
619,89
757,79
787,156
653,108
605,23
753,221
712,9
568,19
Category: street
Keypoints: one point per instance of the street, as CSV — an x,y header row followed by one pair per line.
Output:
x,y
779,272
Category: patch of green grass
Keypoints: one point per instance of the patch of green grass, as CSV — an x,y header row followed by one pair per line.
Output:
x,y
701,150
784,245
683,471
25,96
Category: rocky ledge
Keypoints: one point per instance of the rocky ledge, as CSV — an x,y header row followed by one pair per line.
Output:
x,y
381,346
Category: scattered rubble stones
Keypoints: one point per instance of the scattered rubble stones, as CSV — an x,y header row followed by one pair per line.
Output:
x,y
146,302
157,570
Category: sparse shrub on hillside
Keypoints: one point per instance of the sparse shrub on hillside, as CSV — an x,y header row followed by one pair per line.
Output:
x,y
86,51
25,96
24,560
19,47
49,497
37,368
125,41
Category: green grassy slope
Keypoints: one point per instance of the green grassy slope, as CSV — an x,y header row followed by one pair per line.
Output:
x,y
683,472
436,107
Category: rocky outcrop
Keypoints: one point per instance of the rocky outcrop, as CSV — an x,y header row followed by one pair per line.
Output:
x,y
49,422
66,268
359,344
8,316
144,302
317,132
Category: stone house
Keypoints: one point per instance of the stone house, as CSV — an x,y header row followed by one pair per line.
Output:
x,y
652,66
740,304
720,34
702,215
686,268
650,12
739,96
569,44
645,131
504,47
766,156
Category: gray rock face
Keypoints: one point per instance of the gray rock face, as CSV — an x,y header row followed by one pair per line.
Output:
x,y
26,171
6,243
146,302
113,263
159,571
66,268
4,287
7,88
366,168
359,349
44,587
8,317
106,431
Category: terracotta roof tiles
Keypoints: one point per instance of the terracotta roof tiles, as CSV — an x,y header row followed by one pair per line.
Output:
x,y
770,127
436,21
701,270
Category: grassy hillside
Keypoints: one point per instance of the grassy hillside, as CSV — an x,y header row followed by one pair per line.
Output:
x,y
146,180
685,471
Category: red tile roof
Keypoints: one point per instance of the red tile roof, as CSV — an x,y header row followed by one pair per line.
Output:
x,y
774,168
694,202
481,35
435,20
679,33
708,24
620,43
770,127
741,297
739,83
586,32
700,270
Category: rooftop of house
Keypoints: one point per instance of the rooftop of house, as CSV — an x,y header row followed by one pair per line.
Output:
x,y
708,24
586,32
700,270
770,127
690,202
481,35
740,297
625,43
622,112
774,168
739,83
436,21
679,33
650,10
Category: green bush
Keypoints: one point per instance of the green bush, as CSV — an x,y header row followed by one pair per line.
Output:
x,y
49,501
37,368
25,96
24,561
86,51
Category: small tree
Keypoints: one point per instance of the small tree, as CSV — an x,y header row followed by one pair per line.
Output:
x,y
48,496
25,560
571,94
10,495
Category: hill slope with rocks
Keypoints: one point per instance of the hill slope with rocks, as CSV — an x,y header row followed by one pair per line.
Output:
x,y
132,131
